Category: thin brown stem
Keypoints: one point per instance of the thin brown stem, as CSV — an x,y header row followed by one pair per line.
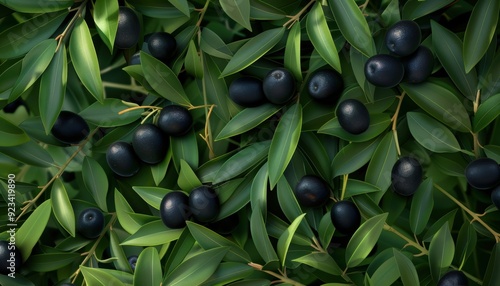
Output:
x,y
139,107
135,88
282,278
61,37
394,120
202,13
475,136
409,241
296,17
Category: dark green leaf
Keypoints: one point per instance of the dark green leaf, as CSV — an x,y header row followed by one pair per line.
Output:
x,y
452,164
357,187
492,276
31,230
185,148
159,171
380,166
292,52
238,10
19,281
326,230
29,153
414,9
239,199
181,249
358,61
261,10
435,227
106,20
47,262
151,195
258,191
421,206
321,261
29,6
193,61
228,272
213,45
153,233
106,114
120,262
492,151
187,178
96,181
98,276
486,113
260,236
286,238
441,251
378,123
431,134
181,5
353,156
391,13
316,152
7,79
148,268
319,34
466,243
407,270
162,9
62,208
11,135
84,58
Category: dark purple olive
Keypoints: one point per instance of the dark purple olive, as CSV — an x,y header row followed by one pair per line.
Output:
x,y
403,38
325,86
353,116
312,191
122,159
129,28
174,209
90,223
453,278
247,92
406,176
70,128
279,86
150,143
10,258
132,261
384,70
345,217
483,173
419,65
162,45
204,204
175,120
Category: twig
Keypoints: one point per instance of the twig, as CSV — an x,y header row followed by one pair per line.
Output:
x,y
394,120
296,17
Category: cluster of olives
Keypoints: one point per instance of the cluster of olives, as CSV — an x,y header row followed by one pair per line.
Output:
x,y
202,204
149,142
484,174
409,61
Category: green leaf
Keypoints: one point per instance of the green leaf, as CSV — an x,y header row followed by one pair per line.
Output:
x,y
162,9
159,171
378,123
47,262
148,268
357,187
315,151
292,52
446,107
326,230
284,142
193,61
252,50
18,281
238,10
213,45
246,120
123,214
121,262
84,58
435,227
29,6
431,134
31,230
358,61
228,272
95,181
260,10
448,48
480,31
352,23
414,9
8,77
153,233
492,276
53,89
209,239
319,34
216,89
29,153
286,238
180,251
391,14
492,151
441,251
321,261
421,206
386,274
151,195
187,178
466,243
19,39
163,80
364,239
34,64
353,156
11,135
486,113
105,114
260,236
98,277
181,5
62,208
106,20
258,191
196,270
380,166
407,270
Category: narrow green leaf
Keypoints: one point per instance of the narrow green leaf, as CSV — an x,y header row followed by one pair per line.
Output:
x,y
421,206
34,64
31,230
98,277
159,171
47,262
187,178
466,243
380,166
252,50
84,57
386,273
441,251
185,148
284,142
391,14
153,233
378,123
181,5
260,237
314,149
435,227
53,89
151,195
321,261
407,270
357,187
319,33
216,89
431,134
286,238
162,9
148,268
8,77
181,249
123,213
105,114
121,262
11,135
29,153
358,61
106,20
414,9
193,61
292,52
258,191
95,181
238,10
492,151
486,113
364,239
213,45
326,230
62,208
480,31
353,26
353,156
29,6
261,10
492,276
228,272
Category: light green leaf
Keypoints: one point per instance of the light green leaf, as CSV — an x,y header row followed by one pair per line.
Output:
x,y
353,156
385,274
151,195
431,134
260,236
120,262
292,52
213,45
486,113
407,270
187,178
148,268
30,6
238,10
161,9
106,114
153,233
421,206
380,166
31,230
159,171
106,20
441,251
321,261
95,181
414,9
29,153
98,277
326,230
193,61
47,262
62,208
185,148
123,213
286,238
357,187
11,135
181,5
258,191
319,33
228,272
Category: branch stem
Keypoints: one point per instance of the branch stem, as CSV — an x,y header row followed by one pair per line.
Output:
x,y
296,17
475,136
281,278
135,88
409,242
394,120
61,37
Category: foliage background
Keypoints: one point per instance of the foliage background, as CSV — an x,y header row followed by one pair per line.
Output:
x,y
59,55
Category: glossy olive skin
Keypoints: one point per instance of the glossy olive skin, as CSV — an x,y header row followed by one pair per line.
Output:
x,y
353,116
132,261
495,197
406,176
384,70
204,204
312,191
279,86
150,143
122,159
70,128
12,253
226,225
174,209
453,278
90,223
162,45
135,59
247,91
418,65
175,120
483,173
345,217
403,38
325,86
129,28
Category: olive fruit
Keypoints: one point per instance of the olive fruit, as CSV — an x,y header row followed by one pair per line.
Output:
x,y
10,258
70,128
122,159
68,176
247,92
312,191
204,204
90,223
345,217
226,225
12,107
353,116
132,261
129,28
174,209
150,143
483,173
418,66
384,70
325,86
406,176
135,59
162,45
175,120
403,38
453,278
279,85
495,197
